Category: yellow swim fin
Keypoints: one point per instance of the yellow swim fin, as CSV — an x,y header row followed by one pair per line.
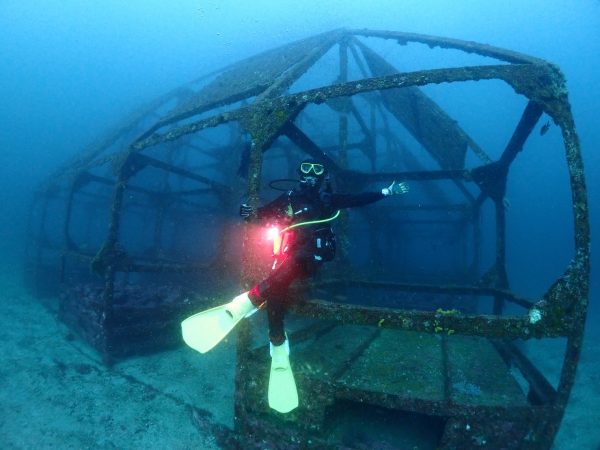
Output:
x,y
204,330
283,395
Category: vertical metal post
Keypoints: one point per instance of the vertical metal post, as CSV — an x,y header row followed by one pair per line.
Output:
x,y
342,226
502,279
109,251
242,375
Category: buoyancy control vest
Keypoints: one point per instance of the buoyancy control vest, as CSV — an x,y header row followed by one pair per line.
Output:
x,y
310,233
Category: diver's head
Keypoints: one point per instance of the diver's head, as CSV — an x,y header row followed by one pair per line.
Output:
x,y
312,174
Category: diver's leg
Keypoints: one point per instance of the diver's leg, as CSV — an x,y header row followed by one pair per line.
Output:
x,y
282,394
274,291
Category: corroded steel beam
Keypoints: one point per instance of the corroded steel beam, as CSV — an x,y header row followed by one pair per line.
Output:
x,y
267,74
429,124
148,161
428,321
560,313
442,42
526,79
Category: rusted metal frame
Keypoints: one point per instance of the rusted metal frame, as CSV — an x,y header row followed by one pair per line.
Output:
x,y
148,161
461,187
370,150
479,152
194,127
69,175
449,289
249,77
107,268
492,326
460,132
243,347
422,117
197,111
572,289
83,179
265,122
108,182
343,117
529,118
238,145
162,204
69,244
466,46
352,43
295,72
502,277
87,160
492,181
371,135
541,391
342,153
319,95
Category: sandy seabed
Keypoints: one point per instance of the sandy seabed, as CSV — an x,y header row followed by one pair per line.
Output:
x,y
56,393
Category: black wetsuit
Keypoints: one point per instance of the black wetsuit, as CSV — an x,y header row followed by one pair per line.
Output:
x,y
307,248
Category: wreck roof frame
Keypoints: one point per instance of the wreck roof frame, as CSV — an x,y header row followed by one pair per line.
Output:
x,y
563,308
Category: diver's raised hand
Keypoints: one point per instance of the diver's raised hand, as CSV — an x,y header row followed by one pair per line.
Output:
x,y
247,211
395,189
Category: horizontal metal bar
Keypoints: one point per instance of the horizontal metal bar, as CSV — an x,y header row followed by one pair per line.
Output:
x,y
436,322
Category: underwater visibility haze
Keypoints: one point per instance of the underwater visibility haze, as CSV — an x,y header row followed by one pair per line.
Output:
x,y
428,174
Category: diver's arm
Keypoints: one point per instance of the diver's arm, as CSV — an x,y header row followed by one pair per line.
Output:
x,y
340,201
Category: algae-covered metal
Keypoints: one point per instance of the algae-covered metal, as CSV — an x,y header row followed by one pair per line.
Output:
x,y
132,207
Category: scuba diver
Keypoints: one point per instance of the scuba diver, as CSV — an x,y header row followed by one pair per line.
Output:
x,y
300,248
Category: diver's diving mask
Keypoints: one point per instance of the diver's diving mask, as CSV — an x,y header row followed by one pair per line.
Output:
x,y
316,168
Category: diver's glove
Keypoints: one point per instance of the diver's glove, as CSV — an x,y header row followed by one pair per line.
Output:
x,y
395,189
247,211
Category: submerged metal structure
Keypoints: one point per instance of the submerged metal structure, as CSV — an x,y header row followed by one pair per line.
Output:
x,y
132,233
